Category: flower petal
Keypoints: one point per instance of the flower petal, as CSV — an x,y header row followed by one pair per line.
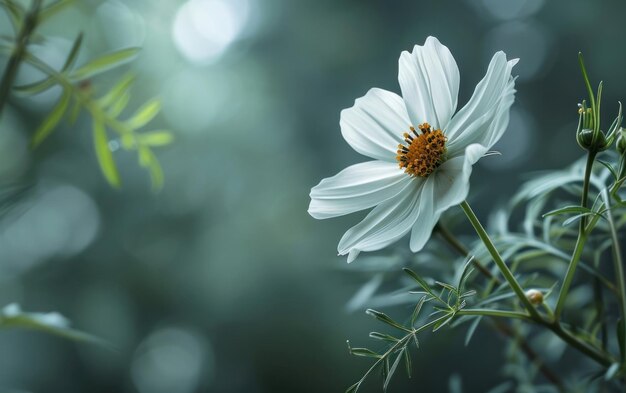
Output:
x,y
426,218
375,124
357,187
429,80
446,187
485,117
387,223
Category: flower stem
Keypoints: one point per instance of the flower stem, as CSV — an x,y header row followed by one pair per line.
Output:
x,y
494,313
10,72
499,325
619,268
504,269
580,241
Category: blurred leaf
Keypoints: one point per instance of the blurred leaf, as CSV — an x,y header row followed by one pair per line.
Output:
x,y
569,210
158,138
620,337
71,58
611,372
11,316
120,88
472,329
74,112
15,13
105,157
52,120
148,160
53,9
104,63
35,87
119,105
364,294
144,114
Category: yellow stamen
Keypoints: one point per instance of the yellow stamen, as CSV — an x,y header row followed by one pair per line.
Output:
x,y
423,153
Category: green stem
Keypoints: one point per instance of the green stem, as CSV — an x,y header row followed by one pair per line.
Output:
x,y
580,241
499,325
619,268
13,65
504,269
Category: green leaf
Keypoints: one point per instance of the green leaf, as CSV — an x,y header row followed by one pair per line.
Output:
x,y
53,9
383,337
417,310
610,168
407,361
364,352
52,120
15,13
120,88
119,105
12,316
386,319
392,371
156,138
144,114
148,160
105,157
472,329
35,87
104,63
71,58
568,210
354,388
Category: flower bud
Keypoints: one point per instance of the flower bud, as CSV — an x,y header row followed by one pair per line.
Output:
x,y
534,296
585,139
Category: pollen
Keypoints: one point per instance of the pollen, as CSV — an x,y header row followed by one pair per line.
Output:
x,y
423,151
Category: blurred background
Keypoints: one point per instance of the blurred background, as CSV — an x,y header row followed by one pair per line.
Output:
x,y
221,282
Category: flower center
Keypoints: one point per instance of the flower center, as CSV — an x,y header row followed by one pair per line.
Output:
x,y
423,152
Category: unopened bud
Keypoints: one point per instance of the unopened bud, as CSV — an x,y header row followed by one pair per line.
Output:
x,y
585,139
534,296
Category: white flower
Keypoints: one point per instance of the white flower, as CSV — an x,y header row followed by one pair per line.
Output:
x,y
416,174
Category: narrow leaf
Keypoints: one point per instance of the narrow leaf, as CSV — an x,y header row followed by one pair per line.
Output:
x,y
105,157
386,319
417,310
392,371
471,330
53,9
144,114
568,210
383,337
52,120
117,90
156,138
148,160
71,58
104,63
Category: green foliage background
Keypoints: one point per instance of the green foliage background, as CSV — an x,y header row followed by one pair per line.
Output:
x,y
221,282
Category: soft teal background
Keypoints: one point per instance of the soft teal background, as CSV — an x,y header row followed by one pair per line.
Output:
x,y
222,282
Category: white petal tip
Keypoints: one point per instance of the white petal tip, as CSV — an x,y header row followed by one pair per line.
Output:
x,y
513,62
353,254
